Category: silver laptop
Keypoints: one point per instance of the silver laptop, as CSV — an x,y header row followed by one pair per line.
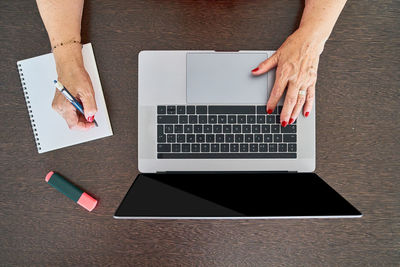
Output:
x,y
202,114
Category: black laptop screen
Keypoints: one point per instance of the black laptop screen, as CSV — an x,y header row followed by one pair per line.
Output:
x,y
233,195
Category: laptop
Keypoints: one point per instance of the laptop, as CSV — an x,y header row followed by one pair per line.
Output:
x,y
207,149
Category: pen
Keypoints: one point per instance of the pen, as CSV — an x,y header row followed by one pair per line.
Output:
x,y
71,98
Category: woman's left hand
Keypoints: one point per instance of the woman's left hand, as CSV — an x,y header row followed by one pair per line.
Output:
x,y
297,63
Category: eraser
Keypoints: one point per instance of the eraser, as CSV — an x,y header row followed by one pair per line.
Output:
x,y
48,176
87,202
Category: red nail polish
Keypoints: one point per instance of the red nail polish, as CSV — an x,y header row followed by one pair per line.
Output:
x,y
269,111
284,123
90,119
291,120
256,69
307,113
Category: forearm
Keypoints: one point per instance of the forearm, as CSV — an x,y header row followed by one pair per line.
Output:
x,y
319,17
62,19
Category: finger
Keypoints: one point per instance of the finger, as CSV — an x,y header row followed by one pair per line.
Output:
x,y
76,121
277,91
309,100
290,102
301,98
266,65
86,95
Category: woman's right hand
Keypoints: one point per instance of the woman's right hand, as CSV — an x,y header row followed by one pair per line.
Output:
x,y
72,74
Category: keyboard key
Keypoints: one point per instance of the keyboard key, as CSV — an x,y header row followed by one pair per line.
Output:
x,y
232,119
161,109
171,138
183,119
207,128
262,110
278,119
237,128
267,138
253,147
225,155
244,148
160,129
169,128
288,129
180,110
201,110
291,147
258,138
263,148
180,138
193,119
224,147
270,119
275,128
212,119
188,128
178,128
203,119
185,148
231,110
277,138
246,128
164,148
167,119
234,147
176,148
205,147
248,138
200,138
273,147
190,110
242,119
261,119
220,138
255,128
161,138
195,148
210,138
227,128
251,119
214,147
265,128
229,138
282,147
239,138
190,138
222,119
289,138
217,128
171,110
198,128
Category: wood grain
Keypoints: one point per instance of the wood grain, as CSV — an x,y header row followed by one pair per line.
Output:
x,y
357,140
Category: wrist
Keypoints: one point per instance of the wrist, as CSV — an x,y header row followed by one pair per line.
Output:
x,y
68,58
313,36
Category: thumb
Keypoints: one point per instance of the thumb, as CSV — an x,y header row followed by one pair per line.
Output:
x,y
266,65
89,104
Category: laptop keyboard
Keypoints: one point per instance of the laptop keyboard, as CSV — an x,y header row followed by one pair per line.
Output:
x,y
202,132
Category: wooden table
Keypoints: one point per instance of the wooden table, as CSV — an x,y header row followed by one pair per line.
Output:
x,y
357,140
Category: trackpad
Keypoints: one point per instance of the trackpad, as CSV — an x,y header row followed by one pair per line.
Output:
x,y
225,78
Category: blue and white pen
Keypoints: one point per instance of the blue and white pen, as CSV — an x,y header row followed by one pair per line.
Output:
x,y
71,98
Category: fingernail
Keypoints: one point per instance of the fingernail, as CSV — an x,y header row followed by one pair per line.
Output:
x,y
256,69
269,111
307,113
284,123
90,119
291,120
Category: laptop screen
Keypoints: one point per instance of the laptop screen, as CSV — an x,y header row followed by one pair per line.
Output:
x,y
236,195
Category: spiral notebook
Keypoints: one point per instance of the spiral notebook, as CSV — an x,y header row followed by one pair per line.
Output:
x,y
49,129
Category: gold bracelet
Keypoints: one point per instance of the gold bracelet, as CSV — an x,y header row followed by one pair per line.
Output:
x,y
66,43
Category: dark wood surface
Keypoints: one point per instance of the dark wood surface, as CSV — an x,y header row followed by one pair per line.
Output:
x,y
357,140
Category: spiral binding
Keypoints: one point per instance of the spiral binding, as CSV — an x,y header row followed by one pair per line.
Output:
x,y
28,104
